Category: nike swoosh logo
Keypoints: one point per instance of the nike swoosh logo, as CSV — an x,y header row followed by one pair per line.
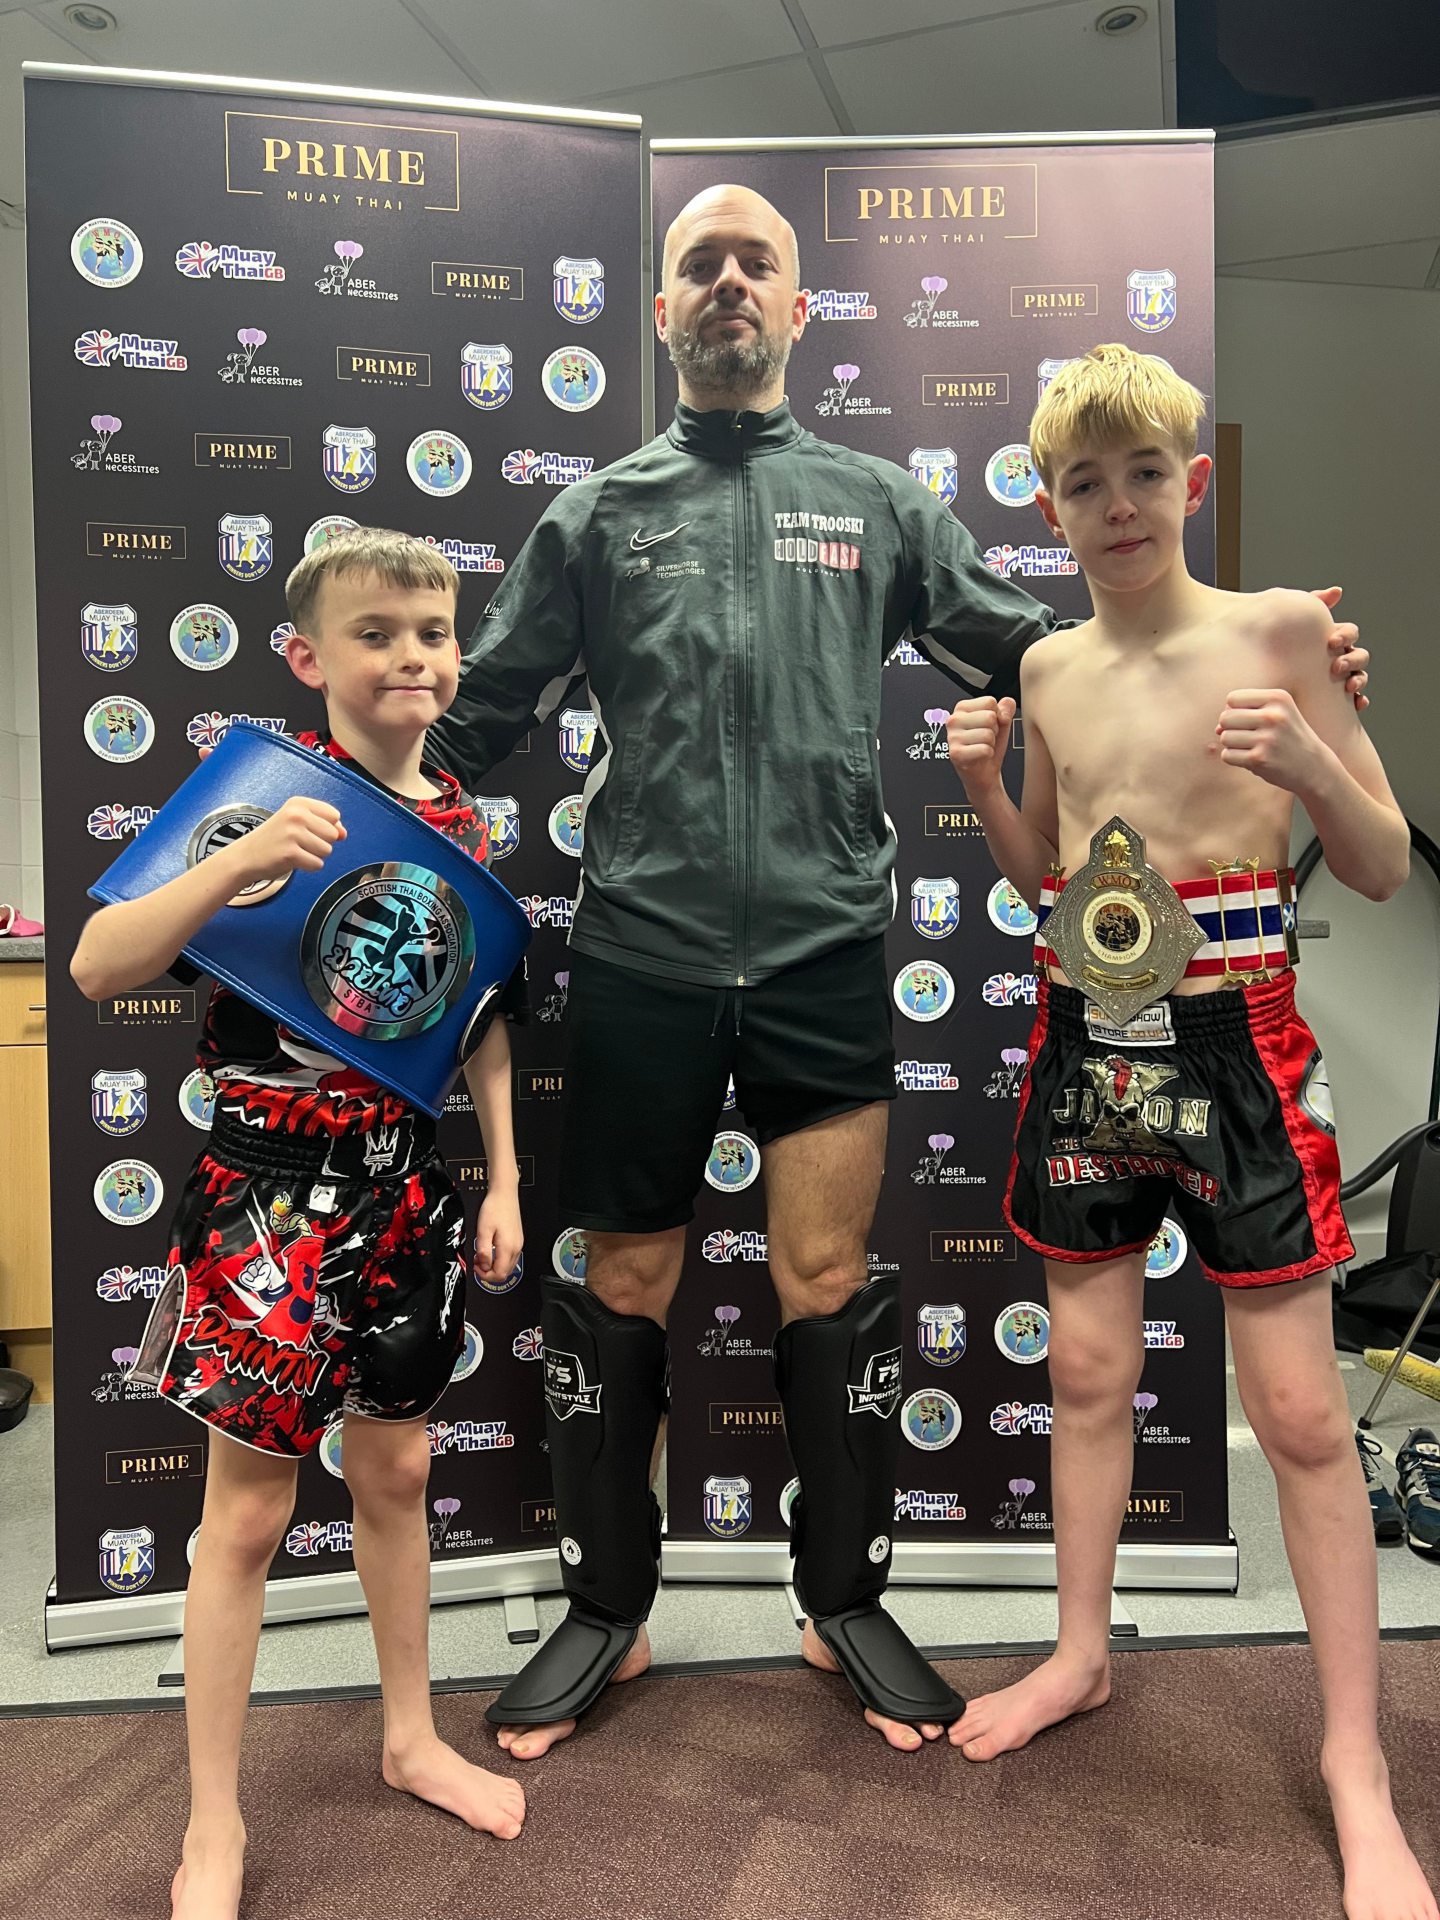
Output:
x,y
638,545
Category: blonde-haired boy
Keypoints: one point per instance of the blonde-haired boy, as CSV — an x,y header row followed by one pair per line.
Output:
x,y
1198,717
319,1224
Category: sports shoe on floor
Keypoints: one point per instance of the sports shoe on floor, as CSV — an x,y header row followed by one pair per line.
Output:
x,y
1417,1467
1385,1512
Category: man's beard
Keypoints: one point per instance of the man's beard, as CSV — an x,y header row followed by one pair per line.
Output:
x,y
728,366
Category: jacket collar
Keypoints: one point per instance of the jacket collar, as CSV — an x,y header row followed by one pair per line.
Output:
x,y
723,435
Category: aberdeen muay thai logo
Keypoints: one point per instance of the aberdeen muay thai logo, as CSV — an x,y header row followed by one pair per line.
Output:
x,y
119,729
940,1334
935,906
579,288
501,814
386,949
95,456
127,1559
573,379
129,1192
501,1282
577,737
119,1102
439,463
203,260
734,1162
566,1388
487,374
107,253
204,637
728,1505
246,547
879,1391
102,348
1045,373
109,635
1150,299
937,468
349,458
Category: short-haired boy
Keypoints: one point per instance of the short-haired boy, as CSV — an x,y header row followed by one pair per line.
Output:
x,y
286,1231
1199,717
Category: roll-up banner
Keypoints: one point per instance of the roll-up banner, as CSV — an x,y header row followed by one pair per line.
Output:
x,y
948,281
259,315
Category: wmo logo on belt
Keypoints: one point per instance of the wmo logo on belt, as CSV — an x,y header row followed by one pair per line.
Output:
x,y
386,949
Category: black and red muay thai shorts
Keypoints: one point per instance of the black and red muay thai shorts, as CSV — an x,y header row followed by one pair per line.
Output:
x,y
1214,1108
309,1274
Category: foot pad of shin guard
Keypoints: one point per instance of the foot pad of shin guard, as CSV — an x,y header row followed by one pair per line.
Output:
x,y
889,1674
566,1676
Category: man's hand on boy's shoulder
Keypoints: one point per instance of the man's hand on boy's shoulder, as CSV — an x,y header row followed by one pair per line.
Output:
x,y
1348,659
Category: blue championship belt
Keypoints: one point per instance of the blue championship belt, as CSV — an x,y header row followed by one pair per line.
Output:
x,y
388,957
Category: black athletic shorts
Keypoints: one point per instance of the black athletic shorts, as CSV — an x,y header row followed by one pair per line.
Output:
x,y
650,1059
1214,1107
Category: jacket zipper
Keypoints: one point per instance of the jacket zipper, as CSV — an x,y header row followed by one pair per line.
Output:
x,y
741,809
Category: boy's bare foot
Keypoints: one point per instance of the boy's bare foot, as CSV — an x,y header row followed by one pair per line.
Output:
x,y
899,1733
1001,1722
207,1882
433,1771
1383,1880
533,1743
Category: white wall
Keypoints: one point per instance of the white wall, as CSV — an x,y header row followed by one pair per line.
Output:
x,y
1337,391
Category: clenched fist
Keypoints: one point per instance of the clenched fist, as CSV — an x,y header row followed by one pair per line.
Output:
x,y
301,834
1262,730
978,732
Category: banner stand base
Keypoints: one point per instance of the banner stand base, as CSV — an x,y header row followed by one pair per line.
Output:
x,y
313,1596
1141,1566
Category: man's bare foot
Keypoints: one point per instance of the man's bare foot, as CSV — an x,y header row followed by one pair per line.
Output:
x,y
899,1733
433,1771
207,1882
1005,1721
533,1743
1383,1880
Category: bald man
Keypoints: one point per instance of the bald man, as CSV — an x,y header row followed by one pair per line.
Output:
x,y
731,593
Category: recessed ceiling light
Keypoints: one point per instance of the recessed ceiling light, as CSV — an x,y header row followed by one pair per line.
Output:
x,y
1117,20
91,19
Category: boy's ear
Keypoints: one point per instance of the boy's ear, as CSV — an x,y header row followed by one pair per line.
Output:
x,y
1047,508
304,661
1197,482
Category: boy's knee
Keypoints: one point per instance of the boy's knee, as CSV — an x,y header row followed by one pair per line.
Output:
x,y
391,1476
1296,1432
247,1527
1084,1377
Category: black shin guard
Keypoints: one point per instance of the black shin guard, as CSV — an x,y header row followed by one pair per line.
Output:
x,y
604,1395
839,1381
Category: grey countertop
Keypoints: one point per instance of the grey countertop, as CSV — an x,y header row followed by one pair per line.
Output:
x,y
23,949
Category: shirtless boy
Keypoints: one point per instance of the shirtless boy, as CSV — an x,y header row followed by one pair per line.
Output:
x,y
1196,717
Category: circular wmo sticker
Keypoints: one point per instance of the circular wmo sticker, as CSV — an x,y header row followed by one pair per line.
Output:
x,y
573,379
197,1098
470,1355
1166,1252
1010,477
204,637
1022,1333
329,1449
386,950
129,1192
119,729
924,990
107,253
328,527
734,1162
569,1254
1008,911
931,1419
439,462
788,1495
223,828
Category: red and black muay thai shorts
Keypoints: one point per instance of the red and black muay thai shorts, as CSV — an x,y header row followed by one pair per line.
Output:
x,y
309,1274
1214,1108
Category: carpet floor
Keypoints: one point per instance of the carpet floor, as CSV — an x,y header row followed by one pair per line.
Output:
x,y
748,1796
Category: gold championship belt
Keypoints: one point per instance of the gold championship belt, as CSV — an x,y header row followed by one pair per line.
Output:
x,y
1119,929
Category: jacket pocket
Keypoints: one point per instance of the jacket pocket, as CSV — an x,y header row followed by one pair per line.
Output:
x,y
866,819
627,801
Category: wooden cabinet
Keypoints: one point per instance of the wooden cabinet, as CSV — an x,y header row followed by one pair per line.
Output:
x,y
25,1315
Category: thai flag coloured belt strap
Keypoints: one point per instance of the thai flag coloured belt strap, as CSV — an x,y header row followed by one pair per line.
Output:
x,y
1247,915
